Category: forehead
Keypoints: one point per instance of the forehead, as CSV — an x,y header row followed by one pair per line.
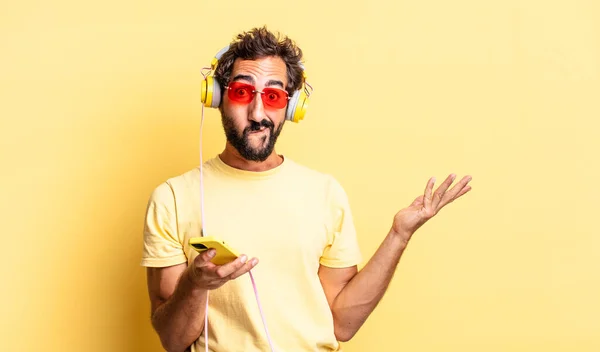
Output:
x,y
266,68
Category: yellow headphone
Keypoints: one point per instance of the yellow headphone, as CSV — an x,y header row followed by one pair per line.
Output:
x,y
210,92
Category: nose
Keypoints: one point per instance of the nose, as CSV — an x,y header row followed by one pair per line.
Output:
x,y
256,109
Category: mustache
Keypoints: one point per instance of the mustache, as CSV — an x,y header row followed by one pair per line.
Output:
x,y
255,126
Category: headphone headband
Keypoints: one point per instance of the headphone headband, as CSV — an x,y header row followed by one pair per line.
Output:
x,y
221,52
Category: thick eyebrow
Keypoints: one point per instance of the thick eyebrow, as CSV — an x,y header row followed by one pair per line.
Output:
x,y
272,82
243,77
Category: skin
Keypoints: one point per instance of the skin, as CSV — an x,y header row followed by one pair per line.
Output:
x,y
266,72
178,293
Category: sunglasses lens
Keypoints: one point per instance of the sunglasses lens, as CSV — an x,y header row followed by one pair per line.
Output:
x,y
276,98
240,92
243,93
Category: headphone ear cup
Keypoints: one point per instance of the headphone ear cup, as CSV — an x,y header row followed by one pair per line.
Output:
x,y
216,97
297,106
206,91
291,107
210,92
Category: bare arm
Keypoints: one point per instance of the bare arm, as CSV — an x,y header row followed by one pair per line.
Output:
x,y
178,297
178,306
353,296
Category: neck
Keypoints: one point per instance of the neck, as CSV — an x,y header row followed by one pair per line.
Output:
x,y
232,157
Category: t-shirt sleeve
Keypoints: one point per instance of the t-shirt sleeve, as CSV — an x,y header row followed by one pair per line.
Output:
x,y
342,249
162,246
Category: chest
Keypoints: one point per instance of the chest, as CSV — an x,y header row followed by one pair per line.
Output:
x,y
279,225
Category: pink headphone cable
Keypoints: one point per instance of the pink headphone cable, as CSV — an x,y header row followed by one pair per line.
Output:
x,y
202,234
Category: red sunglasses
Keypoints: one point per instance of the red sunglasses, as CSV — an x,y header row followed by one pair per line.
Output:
x,y
243,93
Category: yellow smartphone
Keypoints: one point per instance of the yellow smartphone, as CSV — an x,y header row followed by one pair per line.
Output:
x,y
225,254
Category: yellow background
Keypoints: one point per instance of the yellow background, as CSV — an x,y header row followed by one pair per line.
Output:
x,y
100,103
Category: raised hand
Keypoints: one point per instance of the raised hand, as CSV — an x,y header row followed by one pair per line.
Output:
x,y
427,205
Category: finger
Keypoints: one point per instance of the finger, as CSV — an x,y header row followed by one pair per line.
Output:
x,y
225,270
418,202
427,195
457,190
202,264
441,191
463,191
244,269
203,259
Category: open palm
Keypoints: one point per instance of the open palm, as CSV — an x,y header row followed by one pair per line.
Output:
x,y
427,205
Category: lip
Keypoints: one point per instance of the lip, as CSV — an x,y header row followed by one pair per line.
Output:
x,y
259,131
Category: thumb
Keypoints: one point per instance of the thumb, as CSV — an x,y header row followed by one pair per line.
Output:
x,y
418,201
204,257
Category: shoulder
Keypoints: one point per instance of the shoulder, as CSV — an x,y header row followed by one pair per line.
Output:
x,y
167,190
307,173
311,177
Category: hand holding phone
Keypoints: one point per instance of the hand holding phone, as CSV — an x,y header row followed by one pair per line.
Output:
x,y
224,254
217,263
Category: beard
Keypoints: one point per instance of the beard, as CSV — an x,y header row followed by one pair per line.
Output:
x,y
241,141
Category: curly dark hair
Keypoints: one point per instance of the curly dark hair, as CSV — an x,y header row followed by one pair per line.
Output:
x,y
258,43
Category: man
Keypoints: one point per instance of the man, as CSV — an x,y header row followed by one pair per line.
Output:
x,y
297,221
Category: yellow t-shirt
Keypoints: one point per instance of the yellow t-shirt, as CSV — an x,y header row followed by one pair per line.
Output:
x,y
291,218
